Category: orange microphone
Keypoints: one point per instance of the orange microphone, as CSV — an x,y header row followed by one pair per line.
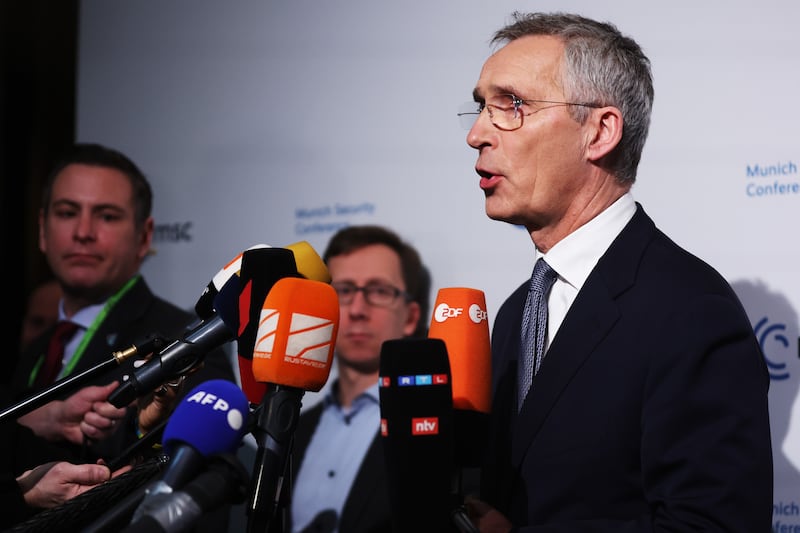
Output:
x,y
296,334
461,321
292,353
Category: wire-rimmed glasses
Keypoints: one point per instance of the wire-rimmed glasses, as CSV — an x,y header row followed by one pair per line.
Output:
x,y
506,110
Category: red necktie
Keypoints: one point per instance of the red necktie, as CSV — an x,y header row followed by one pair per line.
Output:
x,y
55,353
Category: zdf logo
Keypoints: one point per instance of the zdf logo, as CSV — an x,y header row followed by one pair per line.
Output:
x,y
443,311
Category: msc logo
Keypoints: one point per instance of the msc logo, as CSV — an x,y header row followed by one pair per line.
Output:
x,y
443,311
770,335
174,232
309,342
425,426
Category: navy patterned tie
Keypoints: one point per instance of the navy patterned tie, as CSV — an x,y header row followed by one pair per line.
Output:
x,y
534,327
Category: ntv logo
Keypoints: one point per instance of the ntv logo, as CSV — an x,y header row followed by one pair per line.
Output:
x,y
425,426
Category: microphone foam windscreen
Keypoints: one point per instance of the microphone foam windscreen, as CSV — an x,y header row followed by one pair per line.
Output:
x,y
205,304
296,334
460,320
260,269
417,432
211,418
309,263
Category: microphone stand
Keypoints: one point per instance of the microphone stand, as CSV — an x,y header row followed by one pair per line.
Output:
x,y
70,384
274,433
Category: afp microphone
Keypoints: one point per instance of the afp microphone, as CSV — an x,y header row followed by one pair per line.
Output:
x,y
461,321
292,354
416,401
210,420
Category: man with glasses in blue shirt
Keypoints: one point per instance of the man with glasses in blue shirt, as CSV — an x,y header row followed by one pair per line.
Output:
x,y
339,477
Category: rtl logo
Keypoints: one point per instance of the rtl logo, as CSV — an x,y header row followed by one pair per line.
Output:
x,y
425,426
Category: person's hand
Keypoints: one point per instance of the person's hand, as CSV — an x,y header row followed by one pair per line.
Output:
x,y
84,413
485,517
158,406
51,484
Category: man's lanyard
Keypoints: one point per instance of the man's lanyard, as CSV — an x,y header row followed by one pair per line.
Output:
x,y
87,337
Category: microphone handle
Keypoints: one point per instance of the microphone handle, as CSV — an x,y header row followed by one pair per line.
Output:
x,y
173,361
274,433
462,521
70,384
57,390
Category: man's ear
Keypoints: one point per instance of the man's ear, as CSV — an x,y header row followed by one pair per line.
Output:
x,y
412,318
607,132
146,238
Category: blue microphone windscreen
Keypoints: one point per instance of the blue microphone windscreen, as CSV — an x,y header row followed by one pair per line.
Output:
x,y
211,418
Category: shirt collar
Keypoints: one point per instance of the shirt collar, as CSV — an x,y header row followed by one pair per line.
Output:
x,y
576,255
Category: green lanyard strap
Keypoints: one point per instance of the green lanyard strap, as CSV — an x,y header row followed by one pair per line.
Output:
x,y
87,337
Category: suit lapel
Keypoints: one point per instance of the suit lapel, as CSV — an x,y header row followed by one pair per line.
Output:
x,y
591,316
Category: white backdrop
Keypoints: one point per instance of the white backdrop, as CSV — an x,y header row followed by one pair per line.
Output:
x,y
273,122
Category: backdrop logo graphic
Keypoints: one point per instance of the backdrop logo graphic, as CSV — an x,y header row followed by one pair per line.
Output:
x,y
772,179
173,232
770,335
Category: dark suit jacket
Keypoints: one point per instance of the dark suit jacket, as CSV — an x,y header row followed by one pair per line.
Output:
x,y
649,412
139,314
366,509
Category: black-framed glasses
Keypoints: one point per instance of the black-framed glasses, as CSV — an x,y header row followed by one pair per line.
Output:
x,y
377,294
506,111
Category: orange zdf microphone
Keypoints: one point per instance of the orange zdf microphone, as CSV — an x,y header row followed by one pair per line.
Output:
x,y
292,354
461,321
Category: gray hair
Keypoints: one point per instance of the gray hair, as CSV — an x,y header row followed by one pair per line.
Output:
x,y
602,67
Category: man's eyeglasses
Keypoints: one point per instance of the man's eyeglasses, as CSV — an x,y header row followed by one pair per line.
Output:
x,y
376,294
506,110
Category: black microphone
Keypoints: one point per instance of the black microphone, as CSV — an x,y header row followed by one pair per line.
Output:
x,y
182,355
205,306
210,420
416,402
224,481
